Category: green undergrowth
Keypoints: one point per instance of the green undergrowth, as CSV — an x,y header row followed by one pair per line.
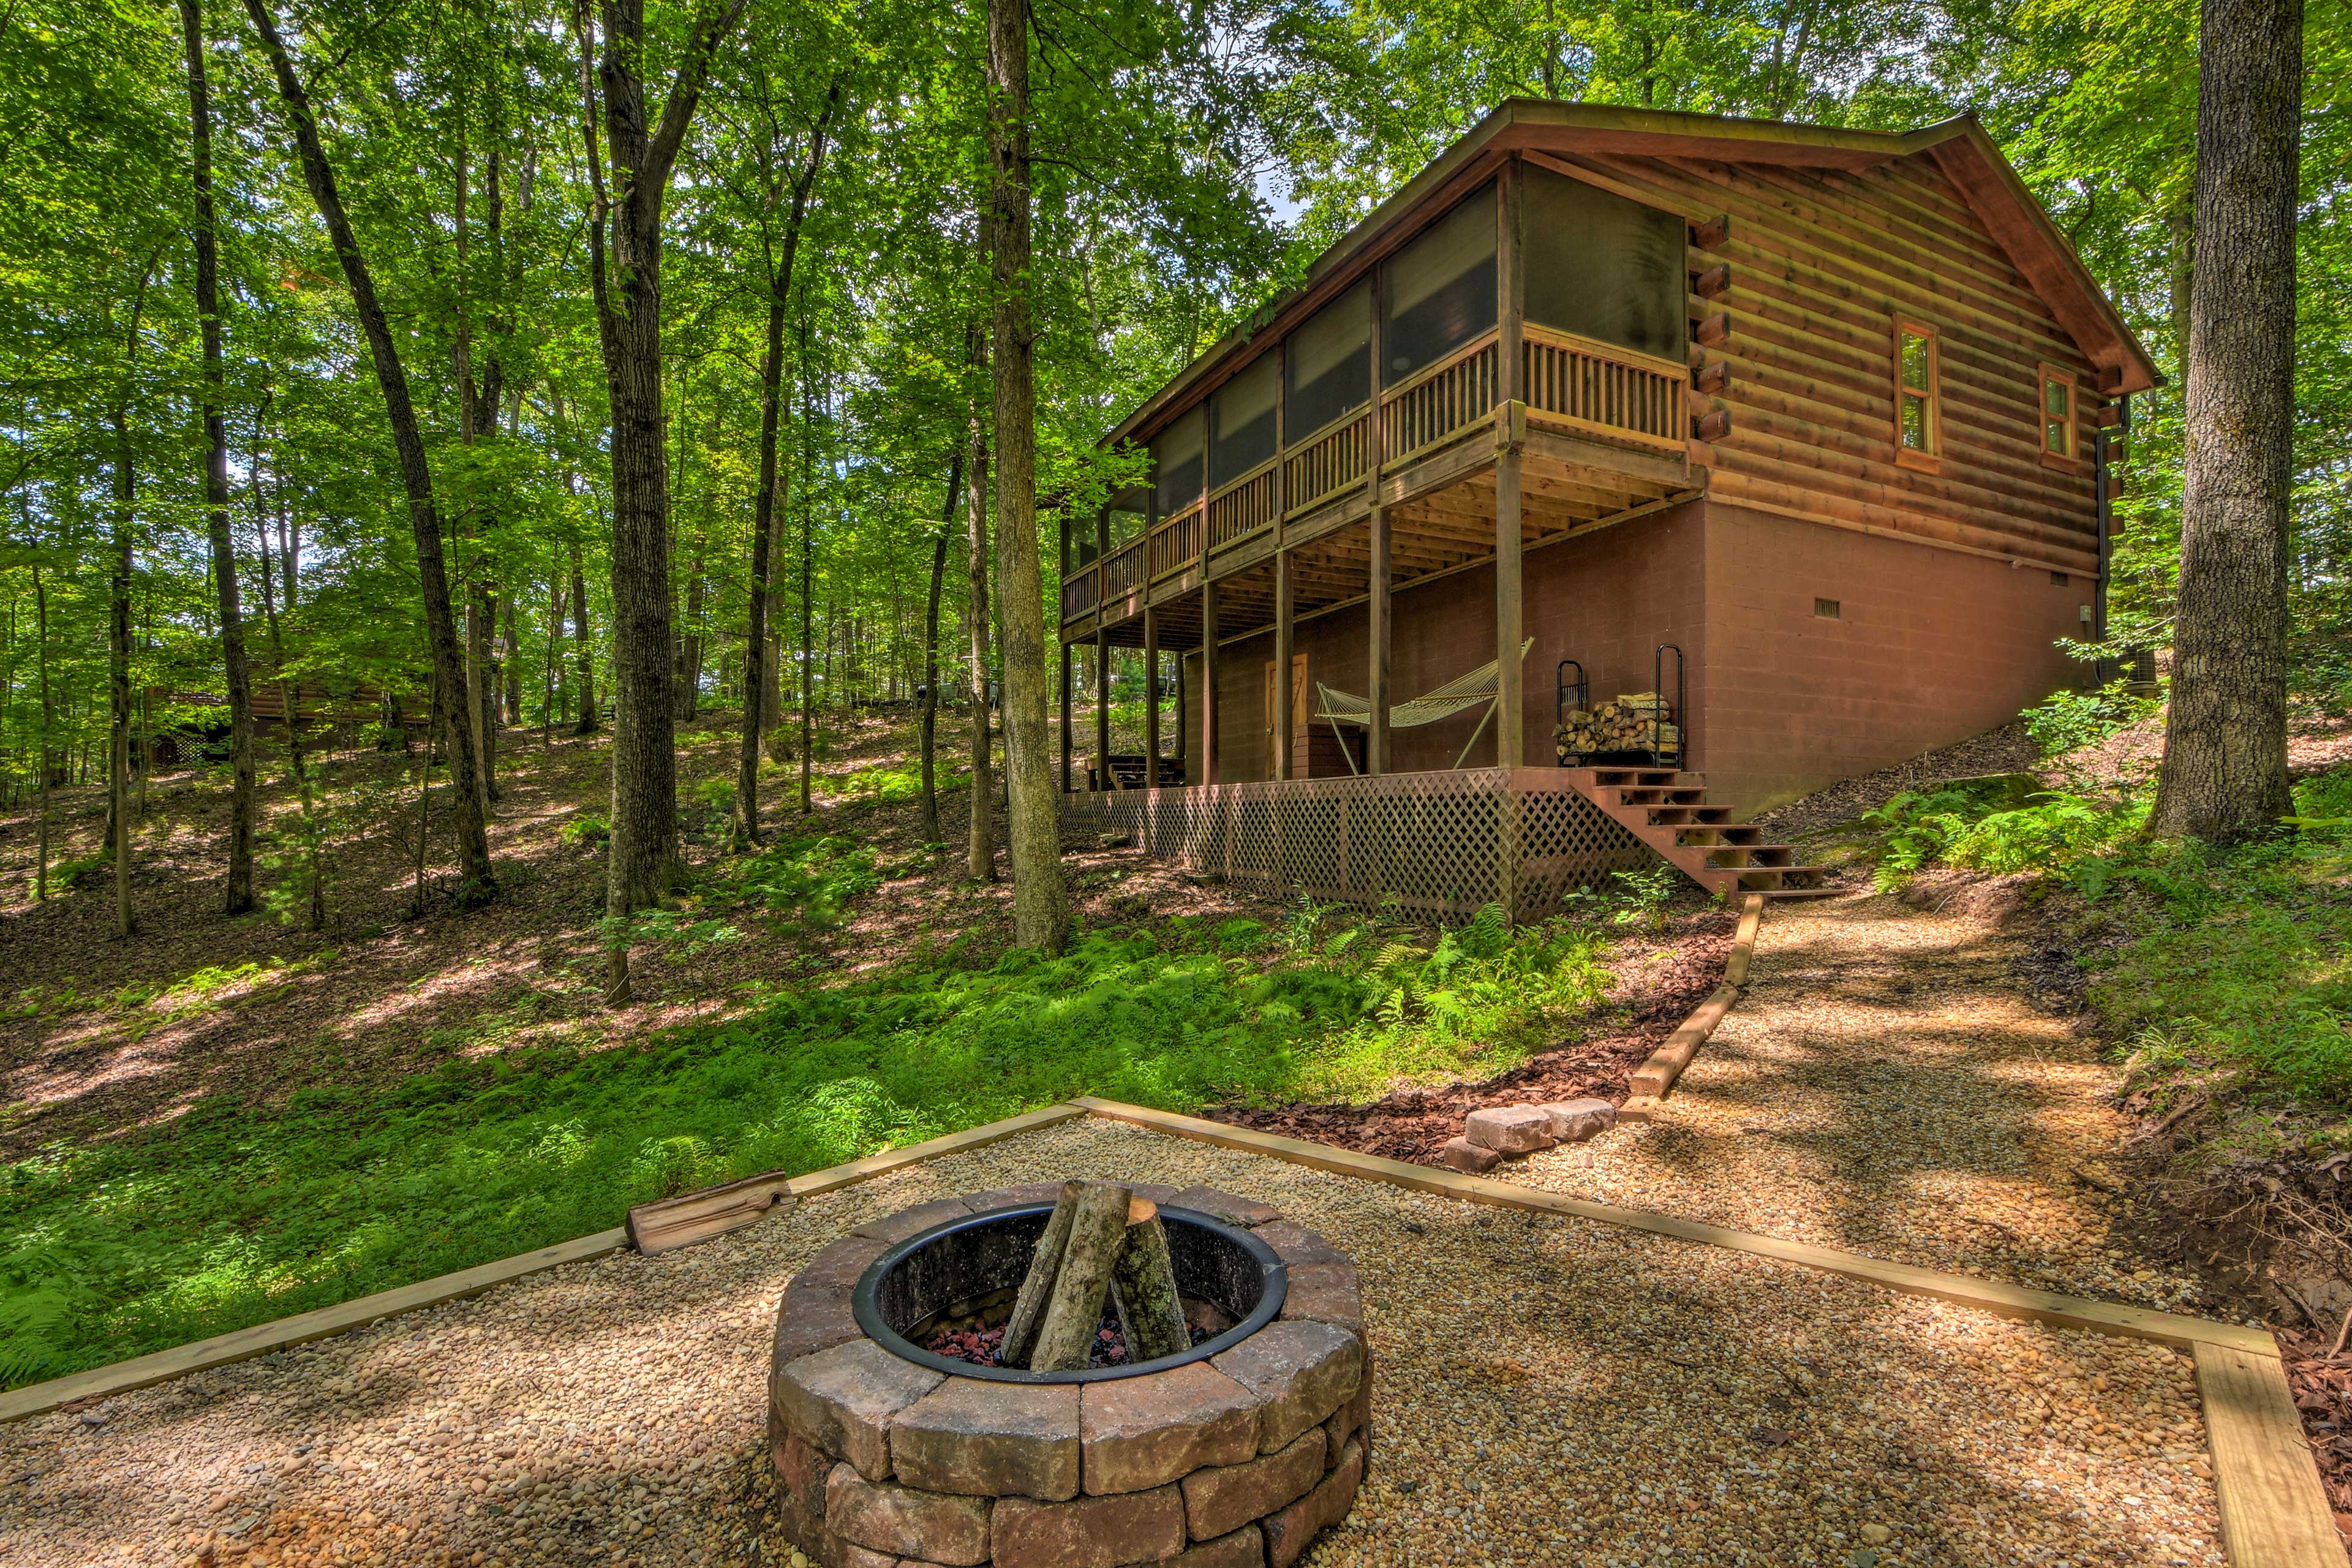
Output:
x,y
2230,968
235,1214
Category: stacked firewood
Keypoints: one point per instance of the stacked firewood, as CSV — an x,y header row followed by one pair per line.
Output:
x,y
1636,721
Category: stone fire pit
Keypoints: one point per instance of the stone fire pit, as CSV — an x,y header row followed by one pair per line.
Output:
x,y
1234,1455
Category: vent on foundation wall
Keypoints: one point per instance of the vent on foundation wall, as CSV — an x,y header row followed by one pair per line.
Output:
x,y
1825,609
2058,579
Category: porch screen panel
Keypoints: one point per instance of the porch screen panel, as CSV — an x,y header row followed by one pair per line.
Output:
x,y
1441,288
1129,509
1176,460
1241,422
1603,267
1331,369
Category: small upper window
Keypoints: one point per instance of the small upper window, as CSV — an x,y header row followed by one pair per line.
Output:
x,y
2057,414
1917,420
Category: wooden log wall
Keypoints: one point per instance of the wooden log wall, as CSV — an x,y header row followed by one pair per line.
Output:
x,y
1798,277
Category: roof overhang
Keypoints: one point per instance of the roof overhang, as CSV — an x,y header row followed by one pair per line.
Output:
x,y
1959,148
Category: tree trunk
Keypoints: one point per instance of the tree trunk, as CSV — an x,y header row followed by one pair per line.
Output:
x,y
1040,908
290,696
756,715
513,662
980,837
584,648
2224,775
930,704
238,895
479,881
48,718
118,782
808,607
554,636
642,858
1082,1283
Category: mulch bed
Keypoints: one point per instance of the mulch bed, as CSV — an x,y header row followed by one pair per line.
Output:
x,y
1661,982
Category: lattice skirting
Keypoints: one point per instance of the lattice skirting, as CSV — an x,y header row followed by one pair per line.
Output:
x,y
1444,844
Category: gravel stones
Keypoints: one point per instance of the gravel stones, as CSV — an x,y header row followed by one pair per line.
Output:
x,y
942,1470
1510,1129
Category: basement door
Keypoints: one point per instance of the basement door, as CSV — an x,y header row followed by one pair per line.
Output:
x,y
1299,767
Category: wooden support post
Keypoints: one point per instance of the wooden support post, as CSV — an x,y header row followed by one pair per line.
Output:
x,y
1150,699
1284,764
1067,737
1375,584
1376,642
1102,704
1208,683
1510,433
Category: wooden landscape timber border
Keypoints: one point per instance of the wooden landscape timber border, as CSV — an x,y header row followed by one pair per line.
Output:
x,y
2274,1513
1654,1079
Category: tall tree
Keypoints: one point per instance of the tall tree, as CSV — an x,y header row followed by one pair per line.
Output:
x,y
980,837
1040,906
625,254
928,701
238,895
778,254
478,881
2224,775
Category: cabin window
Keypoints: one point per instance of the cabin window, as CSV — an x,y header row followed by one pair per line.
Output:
x,y
1604,267
1241,422
2057,414
1176,454
1918,433
1128,515
1440,289
1330,368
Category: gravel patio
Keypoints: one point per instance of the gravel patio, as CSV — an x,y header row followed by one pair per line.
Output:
x,y
1550,1391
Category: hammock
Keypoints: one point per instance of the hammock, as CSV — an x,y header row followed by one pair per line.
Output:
x,y
1464,692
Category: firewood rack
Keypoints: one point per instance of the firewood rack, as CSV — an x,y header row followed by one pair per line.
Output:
x,y
1580,688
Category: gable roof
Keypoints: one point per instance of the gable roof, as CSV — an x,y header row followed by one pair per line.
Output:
x,y
1959,148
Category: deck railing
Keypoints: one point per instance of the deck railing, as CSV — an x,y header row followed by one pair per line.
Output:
x,y
1429,407
1572,383
1241,508
1330,460
1123,569
1607,391
1176,543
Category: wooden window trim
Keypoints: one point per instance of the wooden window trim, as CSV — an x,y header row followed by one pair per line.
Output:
x,y
1930,460
2044,375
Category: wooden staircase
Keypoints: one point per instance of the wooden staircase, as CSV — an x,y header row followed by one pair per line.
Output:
x,y
1667,810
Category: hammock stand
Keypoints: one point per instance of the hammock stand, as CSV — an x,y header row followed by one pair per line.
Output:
x,y
1464,692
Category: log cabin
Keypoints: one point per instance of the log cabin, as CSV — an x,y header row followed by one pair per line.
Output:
x,y
1796,439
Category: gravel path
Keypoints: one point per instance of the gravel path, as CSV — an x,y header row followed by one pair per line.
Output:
x,y
1550,1391
1885,1087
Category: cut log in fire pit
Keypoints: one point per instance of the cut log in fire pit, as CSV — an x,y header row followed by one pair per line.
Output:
x,y
1073,1376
